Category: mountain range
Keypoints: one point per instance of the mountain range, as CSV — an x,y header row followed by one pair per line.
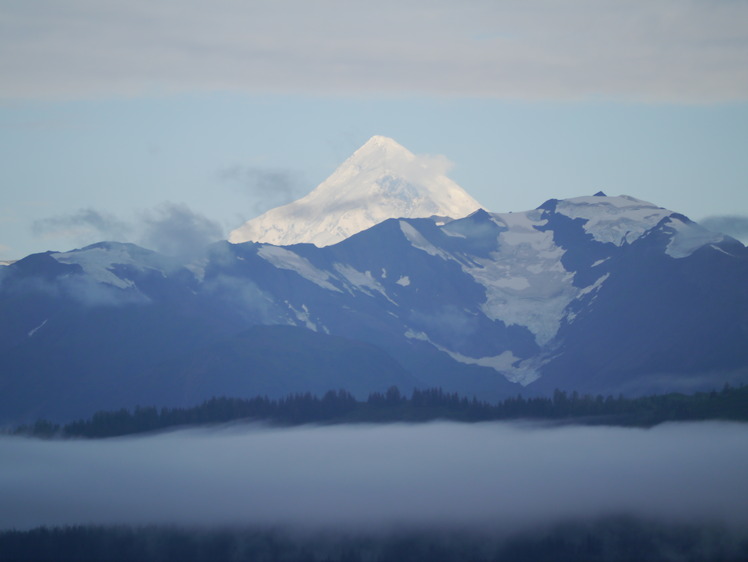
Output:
x,y
401,279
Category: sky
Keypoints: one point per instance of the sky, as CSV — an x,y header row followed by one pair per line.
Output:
x,y
125,120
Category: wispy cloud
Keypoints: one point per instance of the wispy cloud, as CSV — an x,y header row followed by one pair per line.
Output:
x,y
267,187
176,230
667,50
170,228
86,225
732,225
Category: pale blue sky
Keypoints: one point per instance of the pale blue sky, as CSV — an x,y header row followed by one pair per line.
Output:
x,y
113,115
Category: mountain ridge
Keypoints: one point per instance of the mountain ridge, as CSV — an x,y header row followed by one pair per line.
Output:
x,y
599,294
596,294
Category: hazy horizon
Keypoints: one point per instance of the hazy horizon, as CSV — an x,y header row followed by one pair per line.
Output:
x,y
493,476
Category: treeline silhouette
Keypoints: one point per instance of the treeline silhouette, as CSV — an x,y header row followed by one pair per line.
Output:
x,y
340,406
611,538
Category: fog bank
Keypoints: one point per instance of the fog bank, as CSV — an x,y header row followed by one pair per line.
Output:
x,y
498,475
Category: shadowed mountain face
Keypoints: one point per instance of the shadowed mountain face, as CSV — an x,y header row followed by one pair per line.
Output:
x,y
595,294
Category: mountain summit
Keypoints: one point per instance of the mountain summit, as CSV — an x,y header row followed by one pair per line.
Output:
x,y
381,180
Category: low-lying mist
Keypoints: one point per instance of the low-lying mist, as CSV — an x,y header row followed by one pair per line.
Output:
x,y
362,477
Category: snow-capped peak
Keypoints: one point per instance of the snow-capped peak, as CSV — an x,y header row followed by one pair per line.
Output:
x,y
99,261
378,148
623,219
617,220
381,180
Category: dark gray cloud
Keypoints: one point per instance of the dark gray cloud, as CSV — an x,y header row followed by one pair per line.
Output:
x,y
732,225
85,225
268,187
176,230
509,476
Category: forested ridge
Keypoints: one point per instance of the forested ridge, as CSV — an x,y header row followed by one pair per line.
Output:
x,y
337,407
610,538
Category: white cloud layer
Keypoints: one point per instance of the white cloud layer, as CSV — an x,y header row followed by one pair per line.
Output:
x,y
503,476
653,50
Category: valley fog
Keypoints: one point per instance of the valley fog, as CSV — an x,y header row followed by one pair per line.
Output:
x,y
502,476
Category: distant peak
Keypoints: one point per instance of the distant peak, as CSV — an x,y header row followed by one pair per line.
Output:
x,y
384,146
600,194
381,180
379,140
480,214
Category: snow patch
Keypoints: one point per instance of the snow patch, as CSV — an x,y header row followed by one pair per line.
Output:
x,y
689,237
595,286
513,368
420,243
570,315
34,330
404,281
303,316
506,363
616,220
361,281
525,281
97,263
722,250
515,283
286,259
413,335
